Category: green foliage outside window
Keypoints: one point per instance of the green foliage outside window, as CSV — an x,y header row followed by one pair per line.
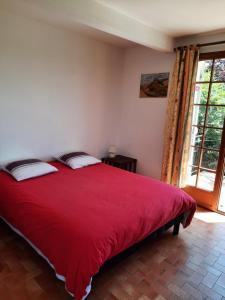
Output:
x,y
216,114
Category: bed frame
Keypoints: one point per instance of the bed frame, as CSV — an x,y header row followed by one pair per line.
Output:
x,y
175,223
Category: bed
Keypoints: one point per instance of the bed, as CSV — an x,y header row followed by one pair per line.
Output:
x,y
80,219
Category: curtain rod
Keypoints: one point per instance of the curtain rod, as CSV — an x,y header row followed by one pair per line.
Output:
x,y
211,44
204,45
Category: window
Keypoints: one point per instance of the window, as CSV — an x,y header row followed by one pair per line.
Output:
x,y
207,122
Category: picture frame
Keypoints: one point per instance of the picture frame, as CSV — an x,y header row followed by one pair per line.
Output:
x,y
154,85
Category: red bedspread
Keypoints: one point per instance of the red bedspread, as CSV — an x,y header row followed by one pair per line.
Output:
x,y
80,218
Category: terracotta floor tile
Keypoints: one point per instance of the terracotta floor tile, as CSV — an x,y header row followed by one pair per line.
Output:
x,y
190,266
221,280
219,289
209,292
209,280
221,260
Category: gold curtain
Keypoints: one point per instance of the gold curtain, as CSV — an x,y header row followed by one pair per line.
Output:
x,y
179,115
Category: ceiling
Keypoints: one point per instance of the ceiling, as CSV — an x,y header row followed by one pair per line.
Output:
x,y
101,35
152,23
174,17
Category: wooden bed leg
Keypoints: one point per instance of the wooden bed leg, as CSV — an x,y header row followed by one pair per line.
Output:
x,y
176,227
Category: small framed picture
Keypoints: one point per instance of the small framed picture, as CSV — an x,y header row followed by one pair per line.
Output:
x,y
154,85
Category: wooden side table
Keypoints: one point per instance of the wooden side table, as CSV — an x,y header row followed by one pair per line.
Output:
x,y
122,162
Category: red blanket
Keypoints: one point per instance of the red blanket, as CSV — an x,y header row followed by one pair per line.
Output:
x,y
80,218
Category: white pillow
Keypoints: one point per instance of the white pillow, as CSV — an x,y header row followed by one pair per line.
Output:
x,y
28,168
76,160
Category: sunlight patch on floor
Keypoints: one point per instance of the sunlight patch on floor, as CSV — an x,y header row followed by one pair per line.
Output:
x,y
210,217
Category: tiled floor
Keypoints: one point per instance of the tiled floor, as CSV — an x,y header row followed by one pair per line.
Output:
x,y
190,266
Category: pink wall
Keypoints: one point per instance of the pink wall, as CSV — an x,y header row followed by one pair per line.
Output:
x,y
61,91
58,90
142,120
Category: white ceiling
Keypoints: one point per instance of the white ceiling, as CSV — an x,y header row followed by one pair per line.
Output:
x,y
152,23
174,17
101,35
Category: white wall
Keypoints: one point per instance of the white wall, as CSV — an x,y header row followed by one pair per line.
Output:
x,y
58,90
140,131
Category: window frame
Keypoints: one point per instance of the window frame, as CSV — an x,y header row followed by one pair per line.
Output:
x,y
211,197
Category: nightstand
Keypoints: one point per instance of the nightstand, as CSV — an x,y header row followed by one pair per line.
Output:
x,y
122,162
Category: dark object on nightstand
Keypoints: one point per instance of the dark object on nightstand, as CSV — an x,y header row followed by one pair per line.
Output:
x,y
122,162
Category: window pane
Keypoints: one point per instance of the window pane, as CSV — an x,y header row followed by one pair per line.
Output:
x,y
215,116
217,95
191,175
206,180
194,156
210,159
204,70
219,70
196,136
201,93
213,138
198,116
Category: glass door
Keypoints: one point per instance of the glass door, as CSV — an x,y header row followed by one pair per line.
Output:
x,y
221,206
221,182
205,179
